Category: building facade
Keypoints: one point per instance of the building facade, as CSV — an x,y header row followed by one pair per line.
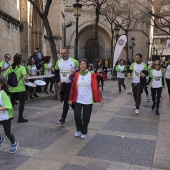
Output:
x,y
24,31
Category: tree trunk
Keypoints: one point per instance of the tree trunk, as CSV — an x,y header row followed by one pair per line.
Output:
x,y
112,40
50,39
96,33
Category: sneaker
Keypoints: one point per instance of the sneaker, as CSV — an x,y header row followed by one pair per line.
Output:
x,y
83,136
51,91
35,95
148,99
153,106
2,141
22,120
77,134
61,122
14,147
137,111
157,112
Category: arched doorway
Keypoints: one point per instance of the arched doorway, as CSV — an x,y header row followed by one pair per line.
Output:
x,y
90,50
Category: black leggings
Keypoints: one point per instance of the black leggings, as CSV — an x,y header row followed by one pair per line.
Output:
x,y
47,80
158,92
7,129
168,85
100,78
21,98
121,82
82,121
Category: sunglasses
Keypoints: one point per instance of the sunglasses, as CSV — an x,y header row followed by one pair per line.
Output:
x,y
157,64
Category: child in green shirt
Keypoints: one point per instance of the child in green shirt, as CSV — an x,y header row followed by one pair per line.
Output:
x,y
6,115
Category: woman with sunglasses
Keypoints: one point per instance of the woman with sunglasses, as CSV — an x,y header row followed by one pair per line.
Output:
x,y
167,76
156,79
84,92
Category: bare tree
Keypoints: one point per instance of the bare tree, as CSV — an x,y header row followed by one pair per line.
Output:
x,y
159,13
125,14
97,4
44,16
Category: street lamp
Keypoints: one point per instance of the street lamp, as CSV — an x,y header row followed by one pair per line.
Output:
x,y
133,44
77,7
116,30
153,50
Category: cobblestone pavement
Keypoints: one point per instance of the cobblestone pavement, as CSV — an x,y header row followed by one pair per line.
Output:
x,y
117,138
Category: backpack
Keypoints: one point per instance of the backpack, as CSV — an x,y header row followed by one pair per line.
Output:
x,y
12,79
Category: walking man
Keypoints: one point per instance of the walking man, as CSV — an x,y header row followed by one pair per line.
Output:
x,y
65,69
138,72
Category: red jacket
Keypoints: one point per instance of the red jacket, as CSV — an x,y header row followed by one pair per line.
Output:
x,y
97,96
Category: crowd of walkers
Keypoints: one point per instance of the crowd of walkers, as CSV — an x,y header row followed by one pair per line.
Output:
x,y
79,86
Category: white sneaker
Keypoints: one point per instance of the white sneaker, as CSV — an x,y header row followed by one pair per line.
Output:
x,y
83,136
137,111
77,134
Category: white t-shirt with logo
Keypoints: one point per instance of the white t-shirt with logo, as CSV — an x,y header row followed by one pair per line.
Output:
x,y
156,78
137,69
85,95
65,67
168,72
119,74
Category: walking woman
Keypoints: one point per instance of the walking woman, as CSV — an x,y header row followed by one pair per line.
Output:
x,y
84,92
48,71
32,71
157,82
121,70
167,76
17,88
6,115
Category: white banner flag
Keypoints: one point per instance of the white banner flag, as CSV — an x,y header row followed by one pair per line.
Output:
x,y
119,47
168,44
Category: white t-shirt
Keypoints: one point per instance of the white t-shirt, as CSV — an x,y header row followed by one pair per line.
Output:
x,y
119,74
3,114
137,68
6,65
156,79
33,69
149,64
168,72
85,95
65,67
49,72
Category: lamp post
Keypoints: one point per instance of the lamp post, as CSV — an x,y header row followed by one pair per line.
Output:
x,y
116,30
133,44
153,50
77,7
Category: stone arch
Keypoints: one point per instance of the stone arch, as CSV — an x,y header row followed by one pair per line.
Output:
x,y
37,27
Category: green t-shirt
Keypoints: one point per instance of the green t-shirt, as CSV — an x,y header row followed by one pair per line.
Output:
x,y
7,103
19,73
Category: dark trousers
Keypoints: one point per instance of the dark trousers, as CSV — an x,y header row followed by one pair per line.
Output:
x,y
82,121
137,90
121,83
47,80
7,129
158,92
21,98
146,89
168,85
64,96
100,79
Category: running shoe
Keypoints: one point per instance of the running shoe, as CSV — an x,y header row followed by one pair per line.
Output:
x,y
157,112
137,111
153,106
14,147
77,134
61,122
83,136
2,141
148,99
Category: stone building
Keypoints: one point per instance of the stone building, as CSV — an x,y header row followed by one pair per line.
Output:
x,y
21,30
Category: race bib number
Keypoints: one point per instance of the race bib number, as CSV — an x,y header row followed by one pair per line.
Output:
x,y
64,76
157,79
4,115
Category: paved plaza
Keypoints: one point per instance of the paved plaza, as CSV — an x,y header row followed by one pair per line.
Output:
x,y
117,138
